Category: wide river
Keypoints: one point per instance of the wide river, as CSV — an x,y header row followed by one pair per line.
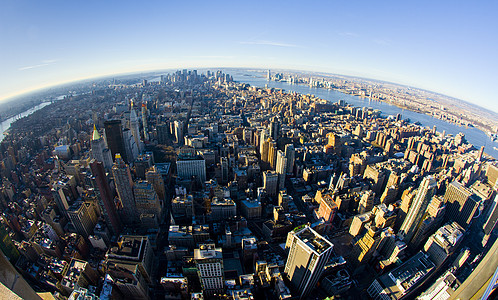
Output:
x,y
473,135
6,124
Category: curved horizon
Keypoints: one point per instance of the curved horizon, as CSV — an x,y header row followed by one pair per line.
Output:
x,y
446,49
41,89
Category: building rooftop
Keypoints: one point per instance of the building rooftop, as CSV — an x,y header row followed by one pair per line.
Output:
x,y
251,203
129,248
207,251
399,281
448,235
163,168
313,240
74,270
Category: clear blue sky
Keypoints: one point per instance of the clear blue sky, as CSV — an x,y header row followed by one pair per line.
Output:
x,y
449,47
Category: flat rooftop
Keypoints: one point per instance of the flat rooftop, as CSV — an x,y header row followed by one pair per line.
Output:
x,y
313,240
207,251
406,276
129,247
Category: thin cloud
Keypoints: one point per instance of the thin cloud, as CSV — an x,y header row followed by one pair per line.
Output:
x,y
383,42
211,56
43,64
270,43
349,34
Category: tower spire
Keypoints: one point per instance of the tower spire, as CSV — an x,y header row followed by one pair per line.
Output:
x,y
96,134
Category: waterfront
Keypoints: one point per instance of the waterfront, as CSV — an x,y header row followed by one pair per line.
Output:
x,y
473,135
5,125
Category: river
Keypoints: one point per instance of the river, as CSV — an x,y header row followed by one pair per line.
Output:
x,y
473,135
5,125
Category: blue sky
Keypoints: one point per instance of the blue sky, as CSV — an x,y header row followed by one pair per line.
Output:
x,y
445,46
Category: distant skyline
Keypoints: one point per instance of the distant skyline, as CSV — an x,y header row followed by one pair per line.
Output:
x,y
445,47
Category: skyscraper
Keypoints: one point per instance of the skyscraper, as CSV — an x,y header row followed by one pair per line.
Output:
x,y
105,197
146,199
263,135
309,252
274,129
131,147
209,262
462,204
281,168
417,209
135,127
114,137
366,202
156,179
179,132
270,182
100,151
83,217
124,187
162,133
224,170
441,245
290,154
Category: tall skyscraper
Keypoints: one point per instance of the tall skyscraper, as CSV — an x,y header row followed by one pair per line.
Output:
x,y
270,182
441,245
62,200
135,127
83,217
274,129
162,133
124,187
309,252
264,150
146,199
100,151
114,137
105,197
462,204
272,154
281,169
263,136
131,147
290,154
156,179
179,132
418,207
366,202
144,121
224,170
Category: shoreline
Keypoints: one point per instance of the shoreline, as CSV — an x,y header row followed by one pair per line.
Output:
x,y
427,113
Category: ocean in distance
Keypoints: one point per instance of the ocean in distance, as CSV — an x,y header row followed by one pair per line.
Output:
x,y
473,135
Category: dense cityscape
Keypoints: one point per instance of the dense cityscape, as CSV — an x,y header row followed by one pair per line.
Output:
x,y
196,186
436,105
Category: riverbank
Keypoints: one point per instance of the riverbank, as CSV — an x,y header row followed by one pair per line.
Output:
x,y
5,125
478,125
475,136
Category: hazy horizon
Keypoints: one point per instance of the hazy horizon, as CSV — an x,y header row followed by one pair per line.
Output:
x,y
446,49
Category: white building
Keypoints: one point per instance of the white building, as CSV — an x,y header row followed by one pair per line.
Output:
x,y
209,262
